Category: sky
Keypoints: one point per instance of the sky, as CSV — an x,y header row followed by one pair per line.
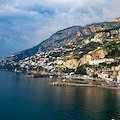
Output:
x,y
25,23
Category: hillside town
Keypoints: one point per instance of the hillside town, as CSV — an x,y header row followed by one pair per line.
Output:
x,y
93,56
52,62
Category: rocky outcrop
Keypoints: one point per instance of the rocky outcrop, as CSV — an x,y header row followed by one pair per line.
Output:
x,y
107,33
88,30
94,56
117,19
71,63
85,59
99,54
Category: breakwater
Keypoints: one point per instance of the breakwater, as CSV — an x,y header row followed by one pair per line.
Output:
x,y
71,84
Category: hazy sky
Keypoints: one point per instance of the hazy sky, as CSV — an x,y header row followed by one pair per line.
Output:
x,y
25,23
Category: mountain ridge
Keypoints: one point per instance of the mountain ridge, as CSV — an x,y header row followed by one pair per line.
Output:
x,y
91,50
61,37
31,51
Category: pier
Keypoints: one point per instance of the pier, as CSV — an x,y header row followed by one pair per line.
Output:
x,y
71,84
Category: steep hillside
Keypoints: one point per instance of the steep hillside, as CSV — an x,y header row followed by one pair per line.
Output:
x,y
102,44
56,39
69,37
59,38
93,49
87,32
99,54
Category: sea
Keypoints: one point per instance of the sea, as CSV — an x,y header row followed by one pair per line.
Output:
x,y
23,98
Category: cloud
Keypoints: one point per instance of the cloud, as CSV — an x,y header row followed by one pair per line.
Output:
x,y
7,10
27,23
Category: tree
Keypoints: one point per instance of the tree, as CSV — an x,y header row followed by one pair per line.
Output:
x,y
81,70
95,75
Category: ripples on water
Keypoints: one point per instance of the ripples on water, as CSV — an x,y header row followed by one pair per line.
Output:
x,y
34,99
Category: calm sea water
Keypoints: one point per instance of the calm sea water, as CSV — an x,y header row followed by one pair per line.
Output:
x,y
34,99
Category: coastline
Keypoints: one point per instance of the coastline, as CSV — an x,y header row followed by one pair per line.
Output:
x,y
76,83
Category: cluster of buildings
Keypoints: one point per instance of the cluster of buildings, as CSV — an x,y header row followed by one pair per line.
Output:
x,y
38,61
43,61
49,60
109,74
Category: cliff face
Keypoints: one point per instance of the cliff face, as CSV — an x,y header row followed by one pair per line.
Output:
x,y
84,60
111,32
94,56
99,54
90,30
71,63
59,38
117,19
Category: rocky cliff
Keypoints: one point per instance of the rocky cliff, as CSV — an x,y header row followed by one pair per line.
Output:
x,y
59,38
117,19
94,56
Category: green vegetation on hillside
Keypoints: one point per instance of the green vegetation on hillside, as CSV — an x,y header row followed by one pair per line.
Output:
x,y
90,47
81,70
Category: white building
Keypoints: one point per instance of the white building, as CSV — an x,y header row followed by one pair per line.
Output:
x,y
96,62
118,77
95,40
